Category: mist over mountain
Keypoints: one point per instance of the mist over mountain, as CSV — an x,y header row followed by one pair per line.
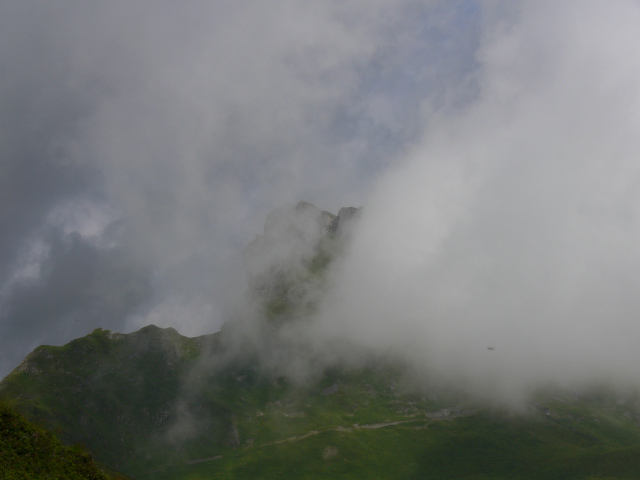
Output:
x,y
513,223
276,393
142,146
293,240
492,145
494,265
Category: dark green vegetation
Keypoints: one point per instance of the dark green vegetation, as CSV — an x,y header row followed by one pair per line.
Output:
x,y
111,392
146,405
156,405
30,452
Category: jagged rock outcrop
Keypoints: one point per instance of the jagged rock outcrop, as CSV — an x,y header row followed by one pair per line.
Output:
x,y
345,218
297,243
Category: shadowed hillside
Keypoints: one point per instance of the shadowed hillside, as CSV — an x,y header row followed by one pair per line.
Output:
x,y
30,452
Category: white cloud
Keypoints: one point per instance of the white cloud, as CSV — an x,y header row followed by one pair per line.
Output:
x,y
515,223
189,123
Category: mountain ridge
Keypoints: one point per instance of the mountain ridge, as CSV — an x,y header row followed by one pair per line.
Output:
x,y
155,404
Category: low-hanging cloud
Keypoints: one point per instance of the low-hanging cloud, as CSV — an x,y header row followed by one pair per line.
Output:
x,y
492,144
503,253
155,137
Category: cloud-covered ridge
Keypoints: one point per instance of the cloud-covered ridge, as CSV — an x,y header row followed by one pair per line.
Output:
x,y
504,252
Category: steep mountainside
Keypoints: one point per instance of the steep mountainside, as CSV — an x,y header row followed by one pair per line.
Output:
x,y
130,406
157,405
109,391
30,452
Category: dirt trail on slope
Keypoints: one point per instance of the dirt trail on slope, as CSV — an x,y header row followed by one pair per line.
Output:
x,y
430,417
440,415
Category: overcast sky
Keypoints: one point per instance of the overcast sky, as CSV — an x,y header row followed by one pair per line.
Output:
x,y
493,144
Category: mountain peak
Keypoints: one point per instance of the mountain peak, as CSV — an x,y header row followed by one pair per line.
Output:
x,y
284,263
292,234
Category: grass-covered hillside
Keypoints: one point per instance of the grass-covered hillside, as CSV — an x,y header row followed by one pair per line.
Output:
x,y
109,391
145,405
30,452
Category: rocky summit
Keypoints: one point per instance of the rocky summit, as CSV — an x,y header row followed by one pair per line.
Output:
x,y
286,263
292,238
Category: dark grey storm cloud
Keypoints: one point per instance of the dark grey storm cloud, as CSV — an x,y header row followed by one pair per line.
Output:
x,y
143,143
79,286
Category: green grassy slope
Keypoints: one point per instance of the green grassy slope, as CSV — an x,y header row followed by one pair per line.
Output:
x,y
110,392
410,438
30,452
232,420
